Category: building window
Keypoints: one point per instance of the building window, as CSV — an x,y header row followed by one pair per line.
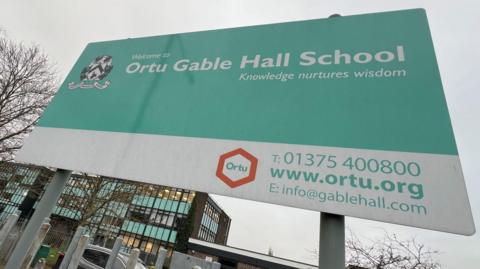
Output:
x,y
209,223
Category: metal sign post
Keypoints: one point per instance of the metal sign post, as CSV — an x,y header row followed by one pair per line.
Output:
x,y
331,253
42,211
332,241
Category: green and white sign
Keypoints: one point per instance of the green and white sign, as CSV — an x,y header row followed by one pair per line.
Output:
x,y
344,115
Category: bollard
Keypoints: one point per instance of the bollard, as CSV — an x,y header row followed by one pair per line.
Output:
x,y
7,228
71,248
132,259
113,255
10,245
35,245
216,265
78,253
162,254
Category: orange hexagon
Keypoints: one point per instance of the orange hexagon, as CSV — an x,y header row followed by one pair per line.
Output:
x,y
238,182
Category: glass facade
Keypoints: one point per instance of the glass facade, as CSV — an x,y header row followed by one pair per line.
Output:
x,y
19,184
209,224
146,216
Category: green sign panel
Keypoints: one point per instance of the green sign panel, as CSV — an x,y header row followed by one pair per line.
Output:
x,y
243,111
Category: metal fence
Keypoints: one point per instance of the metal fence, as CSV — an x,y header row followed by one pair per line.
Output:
x,y
58,240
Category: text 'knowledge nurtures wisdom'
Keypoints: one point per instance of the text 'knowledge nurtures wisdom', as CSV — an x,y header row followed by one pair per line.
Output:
x,y
282,60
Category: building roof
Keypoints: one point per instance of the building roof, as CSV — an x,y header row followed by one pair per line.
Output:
x,y
210,197
245,256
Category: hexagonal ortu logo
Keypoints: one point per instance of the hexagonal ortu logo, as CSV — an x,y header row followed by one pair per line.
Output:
x,y
237,167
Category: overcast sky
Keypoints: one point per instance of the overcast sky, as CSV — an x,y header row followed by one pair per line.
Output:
x,y
63,28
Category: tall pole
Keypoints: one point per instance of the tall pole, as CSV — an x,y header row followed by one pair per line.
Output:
x,y
114,253
162,254
72,246
78,253
132,259
7,227
42,211
332,241
35,246
332,235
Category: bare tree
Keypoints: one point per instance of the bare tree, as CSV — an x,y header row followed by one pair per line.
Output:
x,y
90,196
27,83
390,252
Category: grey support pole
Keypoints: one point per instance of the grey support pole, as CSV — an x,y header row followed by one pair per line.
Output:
x,y
42,211
78,253
7,227
162,254
35,245
132,259
216,265
113,255
71,247
332,241
332,236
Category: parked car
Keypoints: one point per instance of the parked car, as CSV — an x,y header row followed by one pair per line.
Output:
x,y
96,257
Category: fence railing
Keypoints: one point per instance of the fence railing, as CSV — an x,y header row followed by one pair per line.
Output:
x,y
58,239
75,244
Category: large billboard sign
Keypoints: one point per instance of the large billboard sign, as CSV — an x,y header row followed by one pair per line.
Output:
x,y
344,115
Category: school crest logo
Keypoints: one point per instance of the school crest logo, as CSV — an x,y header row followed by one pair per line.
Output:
x,y
92,76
